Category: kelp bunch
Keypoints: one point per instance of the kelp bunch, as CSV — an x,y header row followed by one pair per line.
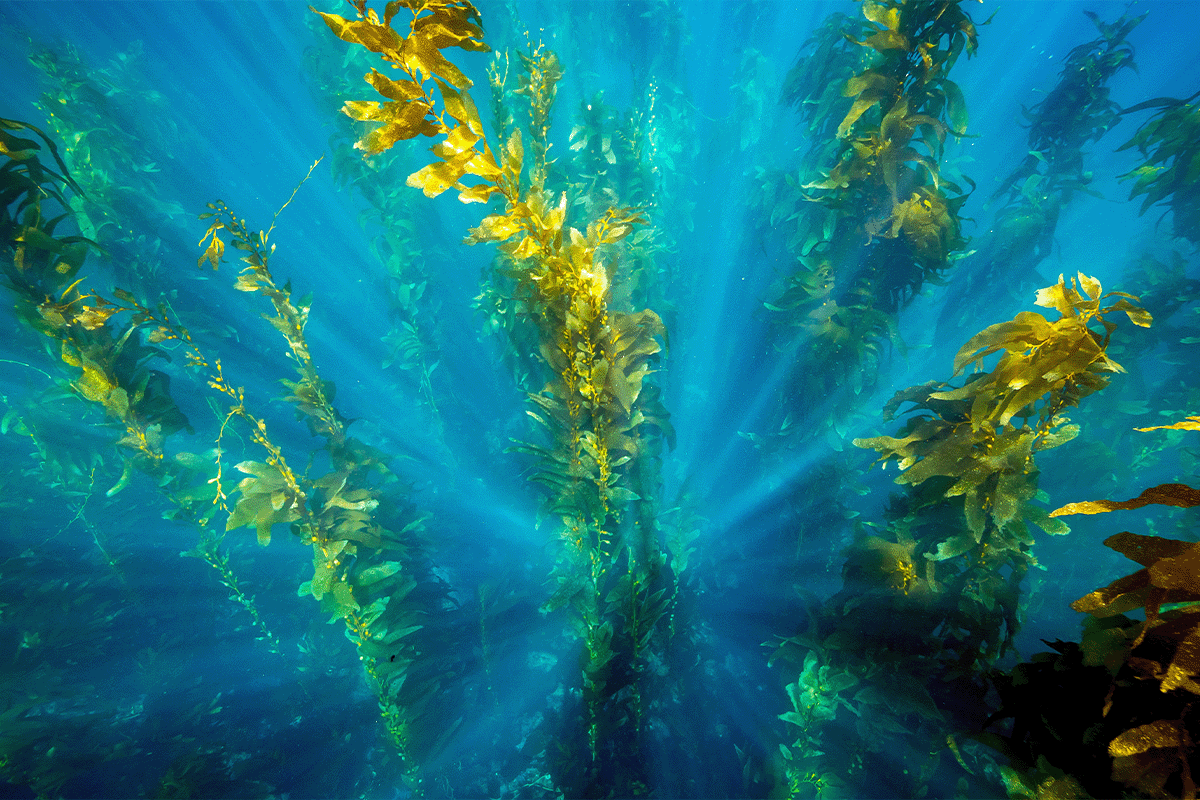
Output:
x,y
113,363
958,543
1169,143
1114,713
600,425
101,348
117,138
632,159
965,457
1075,113
370,569
113,356
875,217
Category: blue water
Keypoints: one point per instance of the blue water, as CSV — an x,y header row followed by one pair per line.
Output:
x,y
125,670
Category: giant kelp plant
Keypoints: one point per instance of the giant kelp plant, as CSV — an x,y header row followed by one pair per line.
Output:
x,y
899,683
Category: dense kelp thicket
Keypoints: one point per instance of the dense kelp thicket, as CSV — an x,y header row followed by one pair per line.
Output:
x,y
586,657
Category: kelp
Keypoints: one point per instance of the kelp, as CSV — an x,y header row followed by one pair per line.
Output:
x,y
100,347
874,218
118,139
369,568
1075,113
1168,142
1133,683
958,541
600,422
414,341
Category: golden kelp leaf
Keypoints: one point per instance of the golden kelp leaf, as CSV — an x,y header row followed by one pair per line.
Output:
x,y
1181,572
1090,286
1146,774
216,248
383,137
1066,299
1162,733
528,247
1137,315
1189,424
94,317
394,90
479,193
458,141
450,25
1167,494
371,35
419,56
1123,594
495,228
460,106
881,14
1184,665
1146,550
439,176
362,110
1027,329
93,384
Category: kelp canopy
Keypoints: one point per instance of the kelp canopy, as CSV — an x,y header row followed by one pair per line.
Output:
x,y
428,398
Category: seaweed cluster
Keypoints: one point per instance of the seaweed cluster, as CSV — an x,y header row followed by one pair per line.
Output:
x,y
901,682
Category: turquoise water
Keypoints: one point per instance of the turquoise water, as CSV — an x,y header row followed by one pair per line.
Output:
x,y
129,670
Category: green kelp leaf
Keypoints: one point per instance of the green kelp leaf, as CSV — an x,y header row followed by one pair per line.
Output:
x,y
1167,494
881,14
954,546
869,79
377,573
1039,516
886,40
956,106
343,597
864,101
247,510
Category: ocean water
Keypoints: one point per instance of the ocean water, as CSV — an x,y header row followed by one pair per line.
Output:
x,y
135,662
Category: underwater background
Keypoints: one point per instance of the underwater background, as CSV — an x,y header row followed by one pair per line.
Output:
x,y
322,480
